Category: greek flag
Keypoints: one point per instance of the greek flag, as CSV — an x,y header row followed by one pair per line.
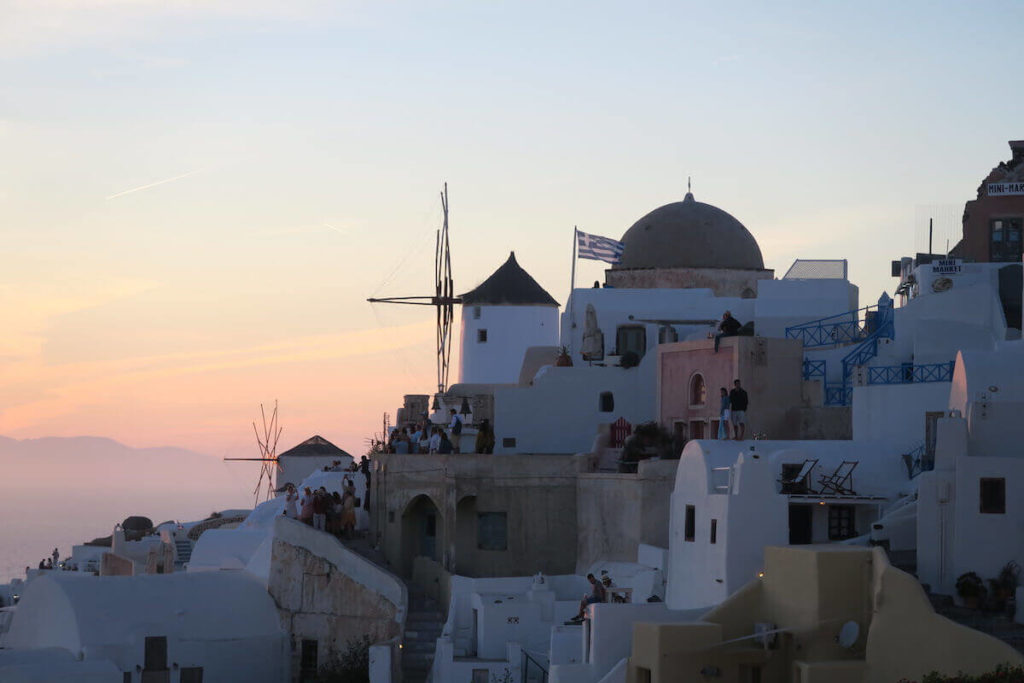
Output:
x,y
598,248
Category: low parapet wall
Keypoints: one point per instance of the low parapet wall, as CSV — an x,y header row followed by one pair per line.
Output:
x,y
328,593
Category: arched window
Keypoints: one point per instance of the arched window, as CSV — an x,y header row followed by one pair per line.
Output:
x,y
698,390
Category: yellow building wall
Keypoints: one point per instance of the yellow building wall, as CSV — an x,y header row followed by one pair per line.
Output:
x,y
810,593
908,639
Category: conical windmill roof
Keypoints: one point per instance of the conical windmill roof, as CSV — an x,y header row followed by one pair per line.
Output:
x,y
316,446
509,285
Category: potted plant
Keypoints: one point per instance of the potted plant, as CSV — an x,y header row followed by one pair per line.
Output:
x,y
1004,586
564,360
971,589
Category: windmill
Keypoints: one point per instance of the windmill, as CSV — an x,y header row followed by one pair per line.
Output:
x,y
267,443
443,299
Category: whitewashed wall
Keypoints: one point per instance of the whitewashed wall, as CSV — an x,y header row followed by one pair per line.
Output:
x,y
510,331
561,412
895,412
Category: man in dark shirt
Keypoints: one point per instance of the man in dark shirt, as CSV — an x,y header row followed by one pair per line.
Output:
x,y
597,594
738,405
729,327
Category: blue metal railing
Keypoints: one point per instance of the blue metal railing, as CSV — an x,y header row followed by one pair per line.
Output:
x,y
908,374
838,394
843,328
814,369
841,394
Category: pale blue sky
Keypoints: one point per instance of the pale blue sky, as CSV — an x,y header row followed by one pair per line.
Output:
x,y
315,137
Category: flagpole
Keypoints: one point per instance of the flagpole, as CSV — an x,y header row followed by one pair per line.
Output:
x,y
572,288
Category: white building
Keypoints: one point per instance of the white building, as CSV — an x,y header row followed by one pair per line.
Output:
x,y
968,518
213,626
310,456
733,499
683,266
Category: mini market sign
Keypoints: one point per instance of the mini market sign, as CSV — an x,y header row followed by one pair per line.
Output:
x,y
1004,189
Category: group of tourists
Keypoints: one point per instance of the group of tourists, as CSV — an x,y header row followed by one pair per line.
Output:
x,y
426,437
421,438
332,512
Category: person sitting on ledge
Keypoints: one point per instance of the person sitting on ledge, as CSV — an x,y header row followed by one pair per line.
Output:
x,y
729,327
597,594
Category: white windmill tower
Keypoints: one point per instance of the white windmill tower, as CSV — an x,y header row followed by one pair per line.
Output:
x,y
504,316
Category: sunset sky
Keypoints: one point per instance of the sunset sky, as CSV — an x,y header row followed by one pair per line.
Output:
x,y
196,198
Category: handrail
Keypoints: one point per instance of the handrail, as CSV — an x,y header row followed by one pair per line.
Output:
x,y
841,328
527,659
918,461
911,374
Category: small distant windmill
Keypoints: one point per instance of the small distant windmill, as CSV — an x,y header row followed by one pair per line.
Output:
x,y
268,452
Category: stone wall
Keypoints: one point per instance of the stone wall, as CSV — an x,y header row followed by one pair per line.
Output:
x,y
721,281
326,592
116,565
617,512
443,497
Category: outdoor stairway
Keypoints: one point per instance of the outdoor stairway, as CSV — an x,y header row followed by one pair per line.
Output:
x,y
423,625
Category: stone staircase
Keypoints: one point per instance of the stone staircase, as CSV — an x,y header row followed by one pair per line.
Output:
x,y
423,625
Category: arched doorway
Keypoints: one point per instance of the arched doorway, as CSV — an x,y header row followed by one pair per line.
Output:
x,y
421,528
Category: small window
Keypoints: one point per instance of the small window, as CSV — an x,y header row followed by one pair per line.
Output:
x,y
508,442
606,404
698,390
308,661
841,522
156,653
127,677
690,530
1006,240
631,338
391,516
191,674
476,313
714,531
492,531
481,336
993,496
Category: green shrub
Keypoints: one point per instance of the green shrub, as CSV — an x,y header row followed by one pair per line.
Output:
x,y
1004,673
353,666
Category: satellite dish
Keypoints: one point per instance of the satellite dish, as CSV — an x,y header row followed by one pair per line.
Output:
x,y
848,634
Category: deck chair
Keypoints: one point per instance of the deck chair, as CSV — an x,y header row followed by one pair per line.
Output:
x,y
801,481
841,480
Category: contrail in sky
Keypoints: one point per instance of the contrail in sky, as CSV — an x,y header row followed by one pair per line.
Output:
x,y
159,182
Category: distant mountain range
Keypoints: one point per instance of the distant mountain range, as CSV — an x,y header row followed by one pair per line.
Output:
x,y
99,462
86,447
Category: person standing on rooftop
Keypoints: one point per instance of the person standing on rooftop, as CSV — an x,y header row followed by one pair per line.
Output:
x,y
738,401
455,427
